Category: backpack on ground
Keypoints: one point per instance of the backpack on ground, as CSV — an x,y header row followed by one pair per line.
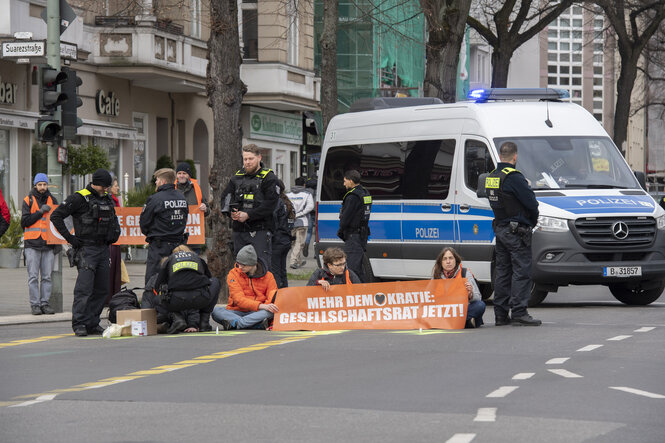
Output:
x,y
123,300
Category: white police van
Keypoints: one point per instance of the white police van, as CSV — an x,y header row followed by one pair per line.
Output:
x,y
421,164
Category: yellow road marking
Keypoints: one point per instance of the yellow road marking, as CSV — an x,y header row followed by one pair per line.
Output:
x,y
167,368
26,341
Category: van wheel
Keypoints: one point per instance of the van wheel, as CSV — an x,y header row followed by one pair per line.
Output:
x,y
537,295
637,294
367,270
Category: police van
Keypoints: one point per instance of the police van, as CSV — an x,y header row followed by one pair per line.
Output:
x,y
421,164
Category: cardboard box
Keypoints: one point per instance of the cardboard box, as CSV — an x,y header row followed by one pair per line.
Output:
x,y
149,316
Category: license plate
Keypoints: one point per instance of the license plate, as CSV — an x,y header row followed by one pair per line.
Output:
x,y
622,271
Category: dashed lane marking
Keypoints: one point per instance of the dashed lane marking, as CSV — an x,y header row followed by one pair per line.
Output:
x,y
588,348
523,375
565,373
50,395
645,329
26,341
557,361
461,438
486,414
638,392
619,338
502,391
430,331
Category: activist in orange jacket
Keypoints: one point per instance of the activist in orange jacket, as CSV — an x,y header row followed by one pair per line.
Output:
x,y
252,289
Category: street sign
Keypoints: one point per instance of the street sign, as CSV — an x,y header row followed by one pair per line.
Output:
x,y
67,15
23,35
24,49
68,51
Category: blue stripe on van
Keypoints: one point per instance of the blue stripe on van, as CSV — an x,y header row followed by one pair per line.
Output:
x,y
429,230
380,230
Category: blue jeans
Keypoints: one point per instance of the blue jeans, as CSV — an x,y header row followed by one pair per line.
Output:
x,y
39,261
240,319
476,309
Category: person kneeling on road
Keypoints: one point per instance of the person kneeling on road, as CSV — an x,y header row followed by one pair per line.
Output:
x,y
334,271
184,294
251,289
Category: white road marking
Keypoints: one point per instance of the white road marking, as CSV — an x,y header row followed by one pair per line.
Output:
x,y
486,414
40,399
502,391
564,373
588,348
645,329
619,338
523,375
557,361
461,438
637,392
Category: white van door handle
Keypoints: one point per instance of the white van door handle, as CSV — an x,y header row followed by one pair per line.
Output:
x,y
464,208
445,207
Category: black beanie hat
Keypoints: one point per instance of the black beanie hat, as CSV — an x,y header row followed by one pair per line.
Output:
x,y
102,177
184,166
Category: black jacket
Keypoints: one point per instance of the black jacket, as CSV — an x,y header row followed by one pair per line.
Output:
x,y
28,219
260,217
353,210
516,185
325,274
282,233
164,215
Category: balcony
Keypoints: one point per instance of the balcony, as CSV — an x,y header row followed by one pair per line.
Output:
x,y
280,86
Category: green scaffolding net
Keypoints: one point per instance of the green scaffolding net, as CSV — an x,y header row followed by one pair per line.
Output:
x,y
380,49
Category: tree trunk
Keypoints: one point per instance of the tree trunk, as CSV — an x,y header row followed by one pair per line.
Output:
x,y
329,62
500,67
625,84
225,92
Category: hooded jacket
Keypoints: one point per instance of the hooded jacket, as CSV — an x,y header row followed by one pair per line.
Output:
x,y
246,292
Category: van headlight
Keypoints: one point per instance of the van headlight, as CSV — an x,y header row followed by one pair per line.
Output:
x,y
552,224
660,222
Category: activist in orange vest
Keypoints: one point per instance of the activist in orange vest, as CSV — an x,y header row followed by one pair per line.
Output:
x,y
334,271
190,187
449,265
252,289
39,256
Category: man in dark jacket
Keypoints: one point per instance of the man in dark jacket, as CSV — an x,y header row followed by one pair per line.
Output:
x,y
334,271
163,220
39,256
515,214
95,228
354,221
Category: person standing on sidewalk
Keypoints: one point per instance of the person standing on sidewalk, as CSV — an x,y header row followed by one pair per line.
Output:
x,y
39,256
354,221
4,215
163,220
281,240
192,191
95,228
515,214
310,186
303,204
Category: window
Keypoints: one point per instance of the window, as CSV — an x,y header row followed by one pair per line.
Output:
x,y
250,30
564,46
597,105
551,57
565,34
577,69
292,35
577,23
477,161
577,46
577,34
577,57
598,93
551,46
551,69
140,165
576,81
551,80
5,163
564,69
196,19
564,57
598,23
552,33
112,148
564,80
398,170
597,81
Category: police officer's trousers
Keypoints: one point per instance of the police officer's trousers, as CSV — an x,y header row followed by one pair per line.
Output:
x,y
92,285
261,240
157,250
512,280
354,247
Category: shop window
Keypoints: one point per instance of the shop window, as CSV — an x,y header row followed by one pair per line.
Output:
x,y
4,163
112,148
140,166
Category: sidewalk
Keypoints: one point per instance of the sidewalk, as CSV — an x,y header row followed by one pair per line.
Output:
x,y
14,298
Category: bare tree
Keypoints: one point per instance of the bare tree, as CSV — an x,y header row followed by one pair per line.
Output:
x,y
634,23
225,92
329,62
506,28
446,21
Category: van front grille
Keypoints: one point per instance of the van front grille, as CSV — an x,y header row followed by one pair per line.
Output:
x,y
616,232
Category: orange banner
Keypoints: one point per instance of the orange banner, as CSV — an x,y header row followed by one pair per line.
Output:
x,y
130,230
426,304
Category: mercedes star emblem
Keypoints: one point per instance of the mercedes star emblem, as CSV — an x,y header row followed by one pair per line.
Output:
x,y
620,230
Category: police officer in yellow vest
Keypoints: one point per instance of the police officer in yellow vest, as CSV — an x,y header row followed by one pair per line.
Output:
x,y
354,221
515,214
39,256
252,192
95,228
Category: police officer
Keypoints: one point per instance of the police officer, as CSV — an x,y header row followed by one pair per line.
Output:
x,y
95,228
193,194
163,220
515,214
354,221
253,198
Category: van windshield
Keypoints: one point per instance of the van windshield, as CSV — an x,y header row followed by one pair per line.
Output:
x,y
571,162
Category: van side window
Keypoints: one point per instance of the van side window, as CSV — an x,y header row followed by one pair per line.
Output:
x,y
392,171
477,160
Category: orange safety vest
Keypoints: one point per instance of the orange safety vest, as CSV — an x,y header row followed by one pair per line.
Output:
x,y
197,190
40,227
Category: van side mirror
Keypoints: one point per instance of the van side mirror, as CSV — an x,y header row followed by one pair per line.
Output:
x,y
641,179
480,190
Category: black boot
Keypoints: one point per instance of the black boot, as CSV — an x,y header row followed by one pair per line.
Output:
x,y
178,323
204,322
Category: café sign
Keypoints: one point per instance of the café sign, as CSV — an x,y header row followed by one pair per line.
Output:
x,y
275,126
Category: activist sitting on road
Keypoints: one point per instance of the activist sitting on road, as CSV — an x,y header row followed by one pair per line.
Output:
x,y
252,289
334,270
183,292
449,265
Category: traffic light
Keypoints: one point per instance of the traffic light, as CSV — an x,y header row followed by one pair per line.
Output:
x,y
49,96
68,117
47,129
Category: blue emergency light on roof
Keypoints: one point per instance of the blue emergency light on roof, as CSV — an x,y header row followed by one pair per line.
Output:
x,y
543,94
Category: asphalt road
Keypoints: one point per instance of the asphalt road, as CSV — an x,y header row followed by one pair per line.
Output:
x,y
592,372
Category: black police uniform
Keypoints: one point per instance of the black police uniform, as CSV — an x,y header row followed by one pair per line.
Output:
x,y
281,243
163,221
515,214
354,227
95,228
255,194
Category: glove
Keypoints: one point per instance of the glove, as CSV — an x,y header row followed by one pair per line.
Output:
x,y
75,242
44,209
